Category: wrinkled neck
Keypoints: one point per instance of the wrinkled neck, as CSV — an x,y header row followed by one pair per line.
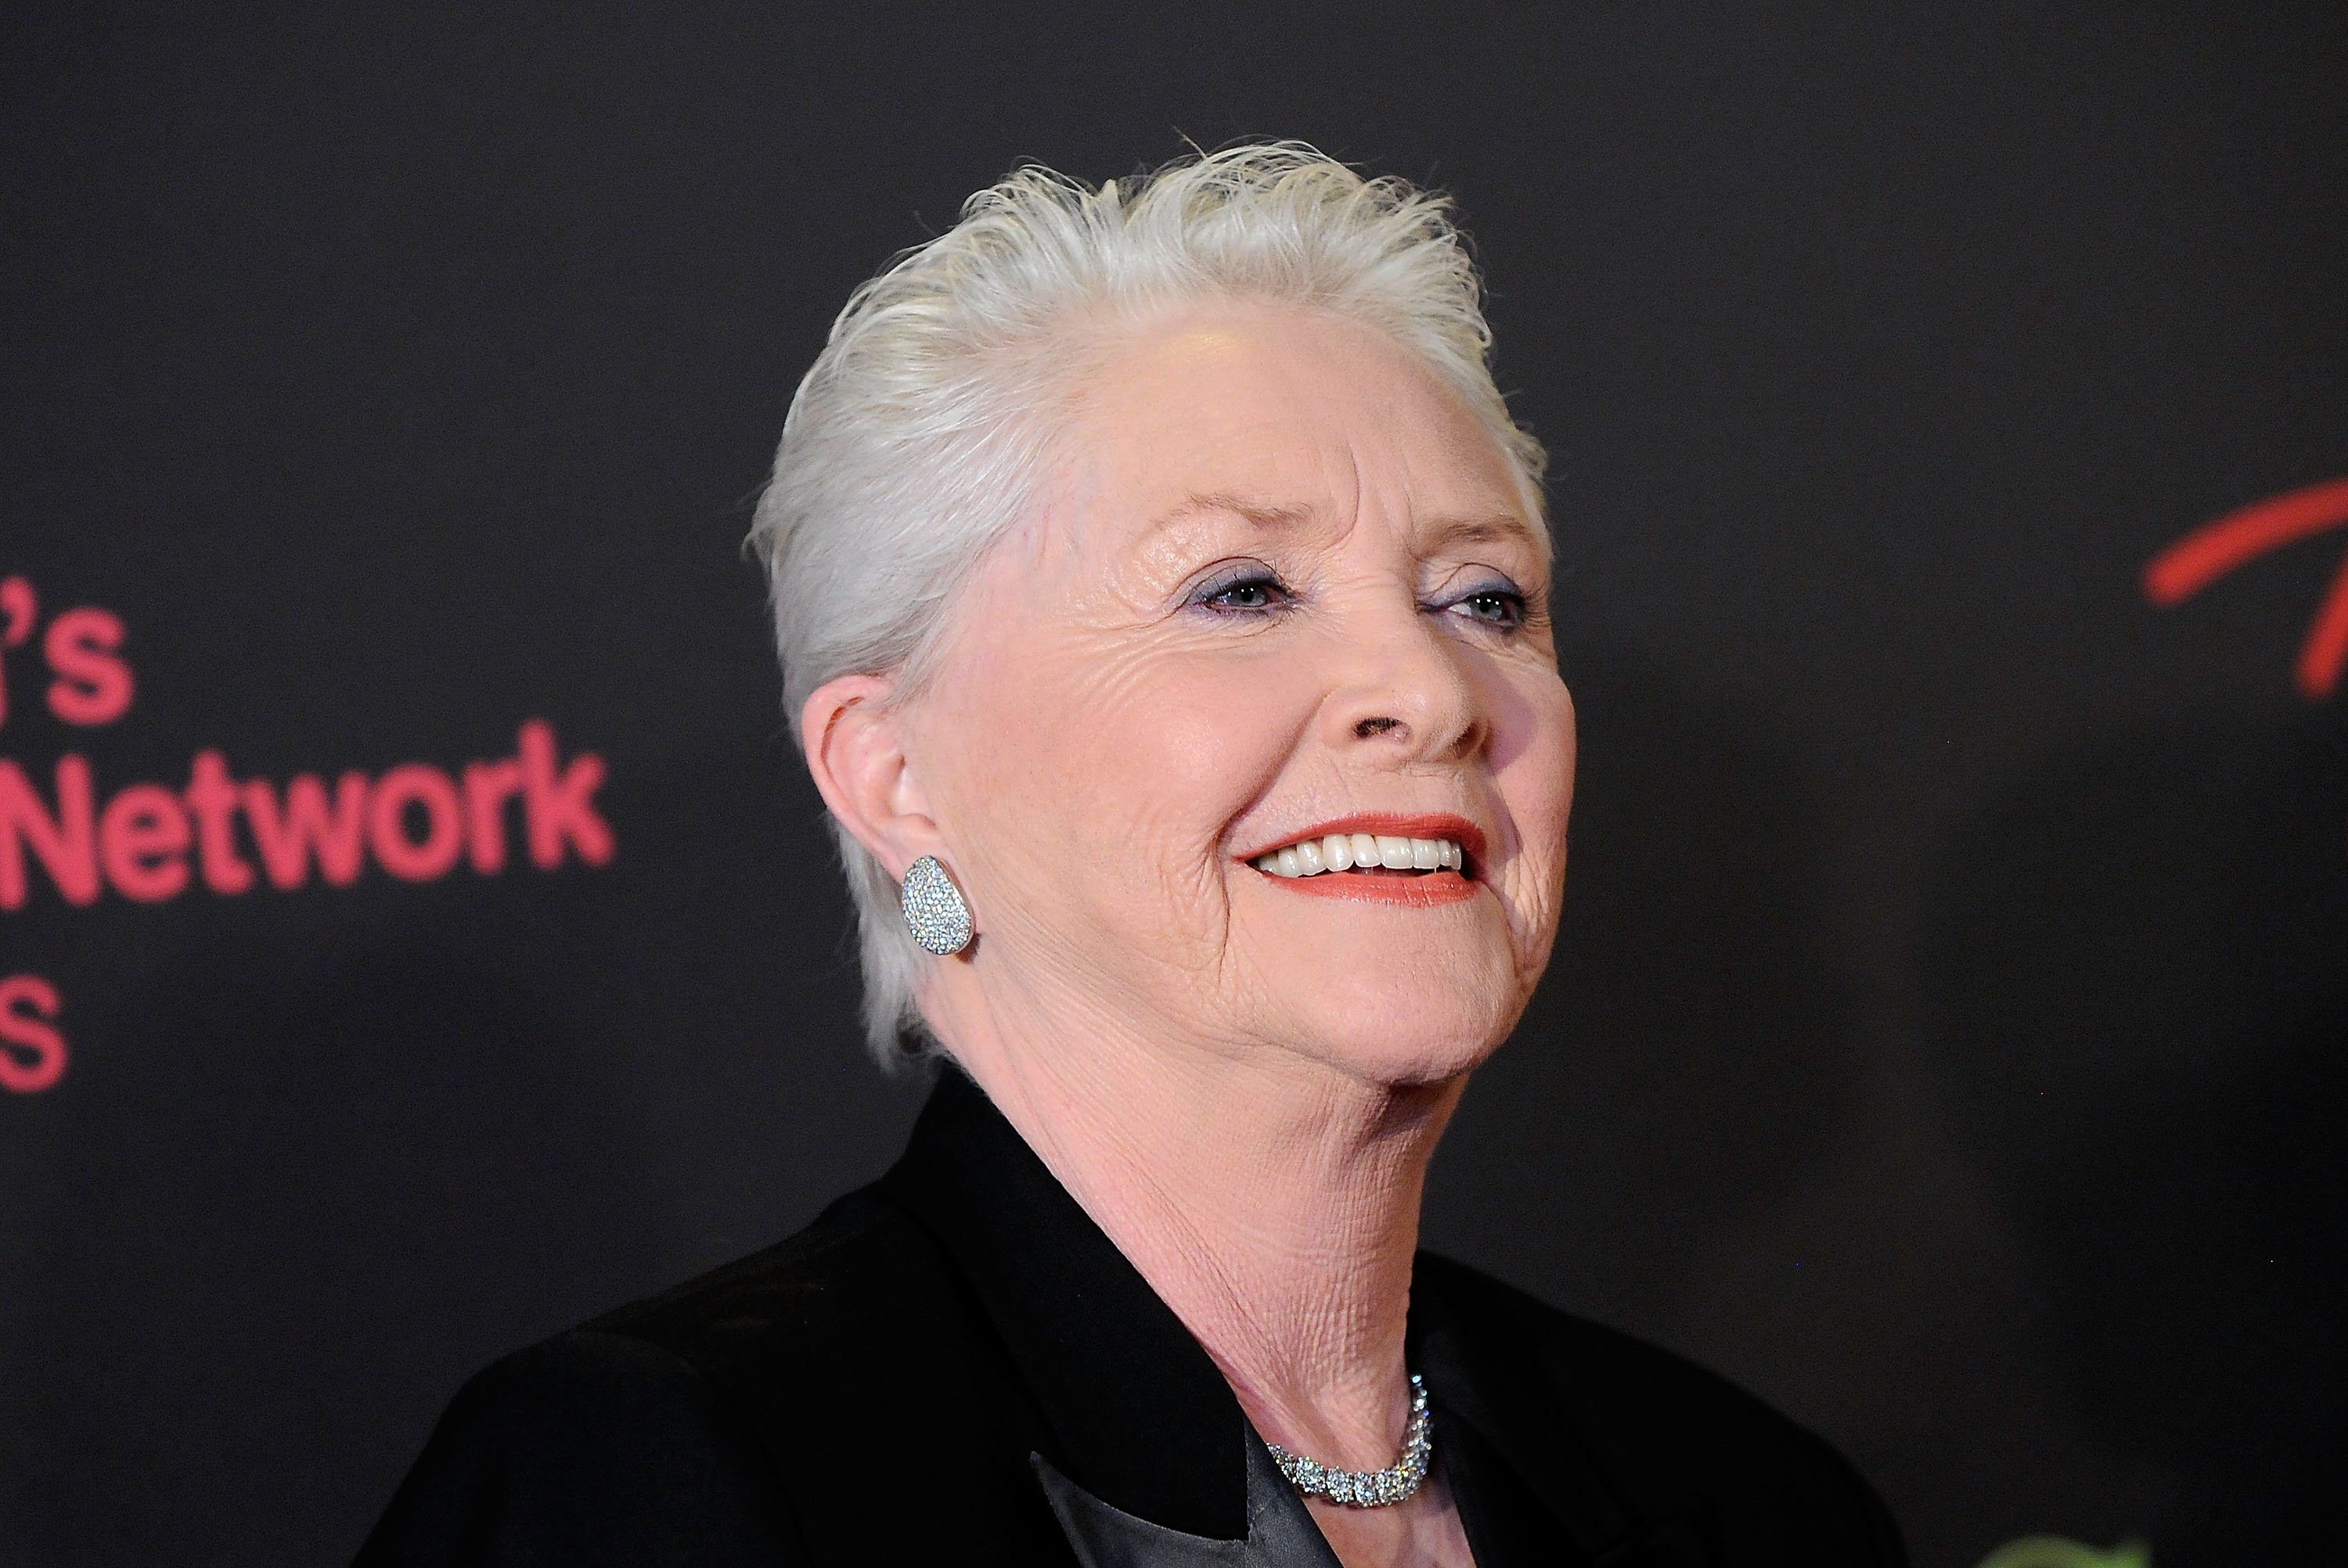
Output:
x,y
1271,1200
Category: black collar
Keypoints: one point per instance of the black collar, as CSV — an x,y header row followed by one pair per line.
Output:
x,y
1143,1418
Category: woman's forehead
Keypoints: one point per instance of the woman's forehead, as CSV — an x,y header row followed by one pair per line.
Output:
x,y
1287,424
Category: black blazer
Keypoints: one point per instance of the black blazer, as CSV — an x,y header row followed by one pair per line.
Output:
x,y
955,1364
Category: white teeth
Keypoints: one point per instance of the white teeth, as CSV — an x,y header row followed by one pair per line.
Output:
x,y
1345,851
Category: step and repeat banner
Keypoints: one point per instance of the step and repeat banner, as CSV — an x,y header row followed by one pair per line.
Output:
x,y
417,933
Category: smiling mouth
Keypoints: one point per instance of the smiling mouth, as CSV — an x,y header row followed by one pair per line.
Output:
x,y
1410,862
1373,853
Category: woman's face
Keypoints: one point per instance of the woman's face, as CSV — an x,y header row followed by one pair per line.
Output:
x,y
1284,592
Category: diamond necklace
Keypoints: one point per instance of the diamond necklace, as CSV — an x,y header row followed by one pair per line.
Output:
x,y
1368,1488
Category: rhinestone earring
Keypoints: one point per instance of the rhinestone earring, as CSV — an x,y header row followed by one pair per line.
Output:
x,y
935,910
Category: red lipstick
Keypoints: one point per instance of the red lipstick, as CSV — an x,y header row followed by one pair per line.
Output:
x,y
1418,889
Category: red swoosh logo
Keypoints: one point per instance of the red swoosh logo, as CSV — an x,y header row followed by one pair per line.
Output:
x,y
2212,551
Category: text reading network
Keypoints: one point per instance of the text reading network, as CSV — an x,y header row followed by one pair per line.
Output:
x,y
148,843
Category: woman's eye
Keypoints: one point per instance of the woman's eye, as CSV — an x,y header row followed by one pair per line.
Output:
x,y
1248,594
1502,609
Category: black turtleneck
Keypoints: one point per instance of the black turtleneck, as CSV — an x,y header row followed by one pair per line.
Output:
x,y
901,1381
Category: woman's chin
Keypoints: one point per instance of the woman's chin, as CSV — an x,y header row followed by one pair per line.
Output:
x,y
1400,1039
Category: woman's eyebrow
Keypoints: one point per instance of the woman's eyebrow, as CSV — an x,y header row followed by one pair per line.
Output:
x,y
1270,515
1505,526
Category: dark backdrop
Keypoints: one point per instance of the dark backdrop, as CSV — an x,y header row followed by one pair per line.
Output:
x,y
1946,1035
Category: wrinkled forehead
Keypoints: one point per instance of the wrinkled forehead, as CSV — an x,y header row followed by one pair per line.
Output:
x,y
1286,422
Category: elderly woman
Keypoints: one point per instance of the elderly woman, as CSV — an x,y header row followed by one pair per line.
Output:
x,y
1162,593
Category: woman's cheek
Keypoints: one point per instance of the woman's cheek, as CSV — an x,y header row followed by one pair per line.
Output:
x,y
1153,755
1538,786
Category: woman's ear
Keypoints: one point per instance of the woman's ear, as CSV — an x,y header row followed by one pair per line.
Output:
x,y
855,750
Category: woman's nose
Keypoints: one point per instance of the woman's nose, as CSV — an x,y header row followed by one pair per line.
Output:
x,y
1404,689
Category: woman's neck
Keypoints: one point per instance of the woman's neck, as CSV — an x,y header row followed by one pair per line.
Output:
x,y
1270,1200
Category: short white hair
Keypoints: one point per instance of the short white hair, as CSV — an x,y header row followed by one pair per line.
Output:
x,y
919,435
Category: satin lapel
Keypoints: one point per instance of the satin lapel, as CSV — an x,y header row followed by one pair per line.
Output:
x,y
1281,1532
